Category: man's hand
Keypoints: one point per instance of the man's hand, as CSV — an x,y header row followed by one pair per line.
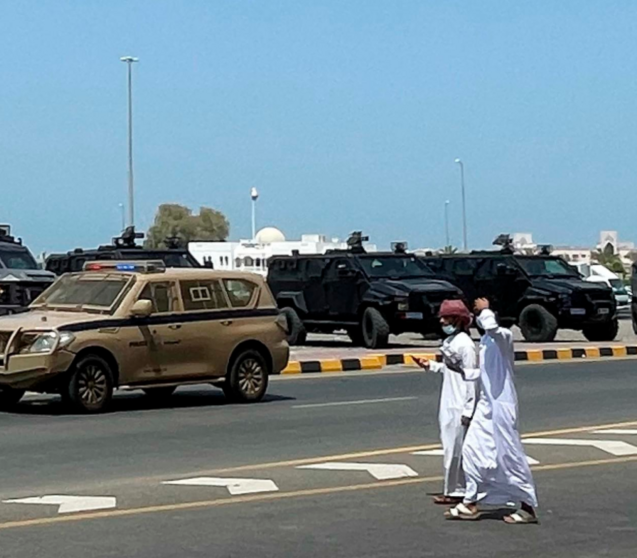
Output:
x,y
465,421
423,363
480,304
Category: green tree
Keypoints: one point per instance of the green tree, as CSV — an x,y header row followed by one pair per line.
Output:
x,y
609,259
449,250
178,221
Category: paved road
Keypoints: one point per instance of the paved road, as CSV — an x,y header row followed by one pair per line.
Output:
x,y
376,419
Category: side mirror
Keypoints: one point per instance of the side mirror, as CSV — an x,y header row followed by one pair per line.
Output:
x,y
142,309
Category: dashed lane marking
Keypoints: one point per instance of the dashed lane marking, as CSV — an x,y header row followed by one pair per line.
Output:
x,y
380,471
441,452
274,496
234,486
354,402
69,504
614,447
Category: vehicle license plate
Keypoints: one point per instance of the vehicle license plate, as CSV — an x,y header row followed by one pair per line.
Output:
x,y
414,315
578,311
603,311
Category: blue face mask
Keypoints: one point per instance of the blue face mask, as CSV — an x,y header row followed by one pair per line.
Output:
x,y
449,329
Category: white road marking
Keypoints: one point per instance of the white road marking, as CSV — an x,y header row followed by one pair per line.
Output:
x,y
234,486
380,471
441,452
615,431
613,447
70,504
355,402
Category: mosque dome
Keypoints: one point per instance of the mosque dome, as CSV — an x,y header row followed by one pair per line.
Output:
x,y
268,235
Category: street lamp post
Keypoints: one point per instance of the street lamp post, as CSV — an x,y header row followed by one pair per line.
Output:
x,y
130,60
447,223
254,196
464,207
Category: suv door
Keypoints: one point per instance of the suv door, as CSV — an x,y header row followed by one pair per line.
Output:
x,y
342,281
157,343
314,292
206,327
507,285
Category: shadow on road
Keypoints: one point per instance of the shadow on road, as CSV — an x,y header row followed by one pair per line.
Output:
x,y
51,405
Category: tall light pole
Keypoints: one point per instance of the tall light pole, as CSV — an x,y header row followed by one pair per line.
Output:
x,y
130,60
254,195
447,223
122,209
464,207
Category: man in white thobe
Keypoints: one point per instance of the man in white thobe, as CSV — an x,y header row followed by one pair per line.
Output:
x,y
495,464
457,398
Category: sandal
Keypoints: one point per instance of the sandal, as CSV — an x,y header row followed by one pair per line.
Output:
x,y
447,500
462,512
521,517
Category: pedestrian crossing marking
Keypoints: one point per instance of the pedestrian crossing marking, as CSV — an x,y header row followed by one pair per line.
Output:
x,y
614,447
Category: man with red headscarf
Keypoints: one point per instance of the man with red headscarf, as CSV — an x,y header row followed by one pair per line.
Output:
x,y
458,397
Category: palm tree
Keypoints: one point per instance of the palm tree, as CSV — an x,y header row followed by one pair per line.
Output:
x,y
609,259
449,250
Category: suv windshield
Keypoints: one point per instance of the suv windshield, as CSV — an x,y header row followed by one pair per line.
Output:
x,y
170,259
546,267
398,267
81,292
17,259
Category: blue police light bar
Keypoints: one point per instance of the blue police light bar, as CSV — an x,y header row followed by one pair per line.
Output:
x,y
131,267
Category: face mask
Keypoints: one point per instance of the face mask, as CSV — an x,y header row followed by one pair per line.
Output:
x,y
449,329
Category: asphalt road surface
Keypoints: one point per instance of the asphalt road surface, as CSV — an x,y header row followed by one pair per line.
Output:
x,y
326,466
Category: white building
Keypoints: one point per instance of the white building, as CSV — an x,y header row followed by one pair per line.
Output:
x,y
253,255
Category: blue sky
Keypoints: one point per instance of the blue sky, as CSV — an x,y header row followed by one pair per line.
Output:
x,y
344,114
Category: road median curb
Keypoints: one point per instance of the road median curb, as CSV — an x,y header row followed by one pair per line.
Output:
x,y
379,361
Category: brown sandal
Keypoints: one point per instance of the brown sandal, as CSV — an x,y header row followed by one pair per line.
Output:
x,y
521,517
447,500
462,512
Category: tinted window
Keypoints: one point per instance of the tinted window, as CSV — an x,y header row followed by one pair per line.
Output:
x,y
464,267
17,259
202,295
161,295
315,268
546,267
239,291
393,266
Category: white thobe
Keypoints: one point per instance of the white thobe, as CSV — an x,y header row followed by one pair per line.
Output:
x,y
457,400
495,464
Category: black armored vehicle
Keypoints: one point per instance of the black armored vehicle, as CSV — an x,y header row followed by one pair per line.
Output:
x,y
21,279
539,293
370,295
123,247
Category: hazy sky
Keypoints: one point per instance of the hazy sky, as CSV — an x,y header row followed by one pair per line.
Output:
x,y
344,114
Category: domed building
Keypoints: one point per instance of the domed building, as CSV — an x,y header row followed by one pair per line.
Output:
x,y
269,235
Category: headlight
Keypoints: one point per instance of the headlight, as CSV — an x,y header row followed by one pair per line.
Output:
x,y
402,304
46,342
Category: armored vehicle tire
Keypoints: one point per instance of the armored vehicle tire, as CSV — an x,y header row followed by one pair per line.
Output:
x,y
537,324
10,397
247,379
160,392
375,329
602,332
90,387
297,334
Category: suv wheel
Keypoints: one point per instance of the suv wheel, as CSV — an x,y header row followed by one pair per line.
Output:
x,y
247,379
602,332
375,329
90,388
297,333
537,324
10,397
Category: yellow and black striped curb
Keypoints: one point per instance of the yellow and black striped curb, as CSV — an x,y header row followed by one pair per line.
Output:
x,y
376,362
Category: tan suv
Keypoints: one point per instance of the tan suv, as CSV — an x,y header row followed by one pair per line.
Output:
x,y
137,325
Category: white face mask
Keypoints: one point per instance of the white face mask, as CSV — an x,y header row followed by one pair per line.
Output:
x,y
449,329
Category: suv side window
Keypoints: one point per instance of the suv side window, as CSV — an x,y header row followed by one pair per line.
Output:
x,y
464,267
314,268
162,295
240,292
202,295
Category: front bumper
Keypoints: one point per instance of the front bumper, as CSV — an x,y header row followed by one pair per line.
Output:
x,y
34,372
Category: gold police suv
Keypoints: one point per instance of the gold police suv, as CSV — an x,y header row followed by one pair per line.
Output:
x,y
138,325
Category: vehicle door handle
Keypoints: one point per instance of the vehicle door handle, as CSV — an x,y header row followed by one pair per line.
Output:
x,y
226,322
174,326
